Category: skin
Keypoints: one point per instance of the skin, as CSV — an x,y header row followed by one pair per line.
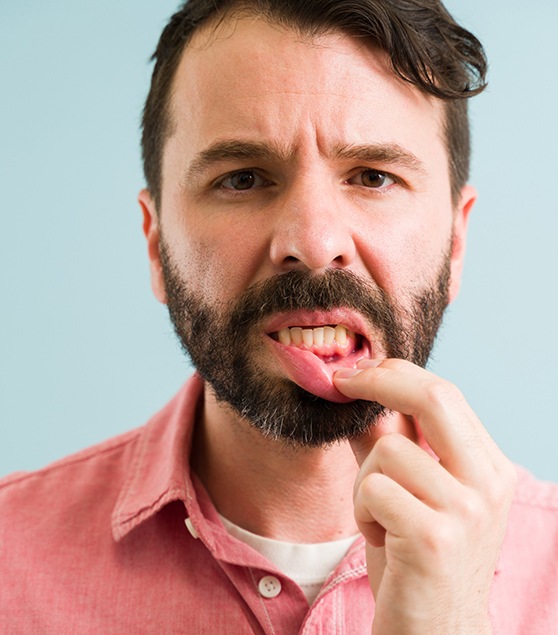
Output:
x,y
433,528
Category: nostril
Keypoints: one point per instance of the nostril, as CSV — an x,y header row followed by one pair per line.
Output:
x,y
302,244
290,261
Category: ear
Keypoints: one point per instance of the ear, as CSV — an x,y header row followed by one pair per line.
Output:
x,y
152,234
461,217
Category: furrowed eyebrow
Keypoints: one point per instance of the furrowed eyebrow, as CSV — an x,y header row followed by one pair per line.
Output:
x,y
232,150
247,150
380,153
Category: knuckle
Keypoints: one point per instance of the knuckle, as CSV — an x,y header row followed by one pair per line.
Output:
x,y
472,509
441,393
440,540
500,490
365,495
388,445
369,486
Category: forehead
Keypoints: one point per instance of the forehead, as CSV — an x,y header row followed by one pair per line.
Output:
x,y
253,80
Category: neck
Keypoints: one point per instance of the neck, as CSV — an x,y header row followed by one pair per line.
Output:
x,y
270,488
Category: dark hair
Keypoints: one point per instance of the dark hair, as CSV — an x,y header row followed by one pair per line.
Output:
x,y
427,48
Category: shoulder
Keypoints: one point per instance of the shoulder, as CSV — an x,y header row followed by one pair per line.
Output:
x,y
92,455
59,518
63,487
80,494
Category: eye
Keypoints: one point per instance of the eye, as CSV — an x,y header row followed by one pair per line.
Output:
x,y
373,179
242,180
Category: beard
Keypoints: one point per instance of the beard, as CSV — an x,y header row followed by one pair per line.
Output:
x,y
224,343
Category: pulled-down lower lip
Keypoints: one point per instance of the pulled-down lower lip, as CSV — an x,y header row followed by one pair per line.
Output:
x,y
310,355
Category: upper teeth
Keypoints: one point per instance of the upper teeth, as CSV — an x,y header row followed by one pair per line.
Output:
x,y
314,337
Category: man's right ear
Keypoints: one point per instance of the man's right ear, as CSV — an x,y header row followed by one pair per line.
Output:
x,y
152,234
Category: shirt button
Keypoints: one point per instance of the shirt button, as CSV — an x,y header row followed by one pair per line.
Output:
x,y
191,528
269,587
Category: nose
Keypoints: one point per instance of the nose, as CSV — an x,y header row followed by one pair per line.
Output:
x,y
312,230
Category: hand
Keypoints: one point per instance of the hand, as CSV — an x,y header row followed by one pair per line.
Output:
x,y
433,527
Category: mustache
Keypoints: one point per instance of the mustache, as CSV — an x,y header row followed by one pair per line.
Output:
x,y
304,290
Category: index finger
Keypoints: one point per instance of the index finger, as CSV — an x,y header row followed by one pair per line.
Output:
x,y
447,422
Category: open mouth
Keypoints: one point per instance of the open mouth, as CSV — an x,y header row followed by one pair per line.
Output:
x,y
315,345
330,342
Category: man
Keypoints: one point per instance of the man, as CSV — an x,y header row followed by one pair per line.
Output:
x,y
306,213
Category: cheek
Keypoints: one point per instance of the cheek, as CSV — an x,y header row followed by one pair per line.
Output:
x,y
222,263
404,256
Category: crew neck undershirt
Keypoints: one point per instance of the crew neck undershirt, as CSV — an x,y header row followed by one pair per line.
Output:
x,y
308,565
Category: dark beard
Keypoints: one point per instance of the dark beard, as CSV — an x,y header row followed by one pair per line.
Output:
x,y
220,343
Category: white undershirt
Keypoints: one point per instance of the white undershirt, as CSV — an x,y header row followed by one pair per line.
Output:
x,y
308,565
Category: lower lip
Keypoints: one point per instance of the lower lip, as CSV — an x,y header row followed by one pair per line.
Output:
x,y
313,374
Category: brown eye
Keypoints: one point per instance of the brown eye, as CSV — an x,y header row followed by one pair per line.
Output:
x,y
242,180
373,178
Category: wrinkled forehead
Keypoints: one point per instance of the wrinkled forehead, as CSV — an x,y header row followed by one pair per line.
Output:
x,y
241,41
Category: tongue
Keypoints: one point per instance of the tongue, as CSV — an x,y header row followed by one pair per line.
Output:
x,y
312,373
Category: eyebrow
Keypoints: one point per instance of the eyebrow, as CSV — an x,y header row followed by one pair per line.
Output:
x,y
234,150
390,153
228,150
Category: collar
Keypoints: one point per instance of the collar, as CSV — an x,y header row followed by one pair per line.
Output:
x,y
157,471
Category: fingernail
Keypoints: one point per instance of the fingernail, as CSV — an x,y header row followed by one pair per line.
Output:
x,y
369,363
346,373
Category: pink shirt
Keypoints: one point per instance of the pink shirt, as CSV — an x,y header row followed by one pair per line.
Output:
x,y
97,543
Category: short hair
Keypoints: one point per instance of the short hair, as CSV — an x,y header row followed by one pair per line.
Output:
x,y
425,45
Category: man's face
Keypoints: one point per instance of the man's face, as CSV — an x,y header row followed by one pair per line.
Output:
x,y
305,222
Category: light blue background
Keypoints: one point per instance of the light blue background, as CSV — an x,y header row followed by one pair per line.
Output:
x,y
85,350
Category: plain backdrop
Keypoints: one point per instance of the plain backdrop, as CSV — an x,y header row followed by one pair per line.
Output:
x,y
85,350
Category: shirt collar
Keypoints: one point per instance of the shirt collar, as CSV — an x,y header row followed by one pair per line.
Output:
x,y
158,466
